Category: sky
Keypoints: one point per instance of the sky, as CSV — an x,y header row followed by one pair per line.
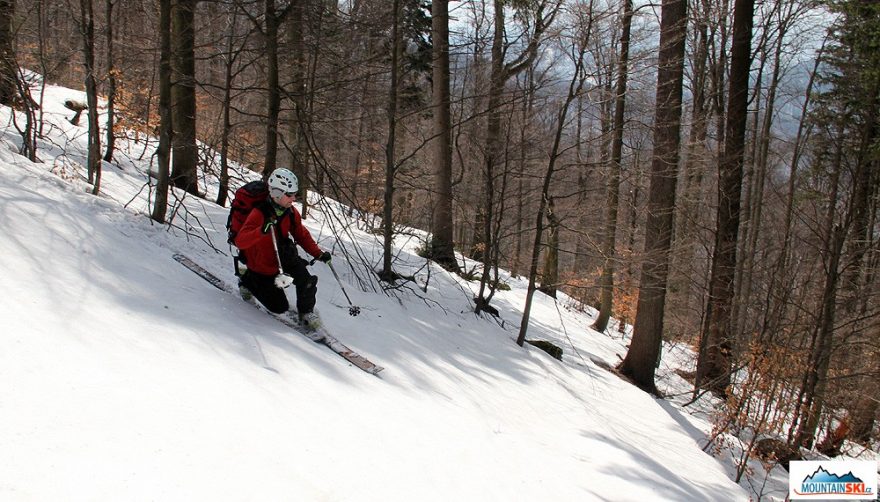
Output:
x,y
123,376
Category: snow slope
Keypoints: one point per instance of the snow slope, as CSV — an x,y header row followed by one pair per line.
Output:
x,y
123,376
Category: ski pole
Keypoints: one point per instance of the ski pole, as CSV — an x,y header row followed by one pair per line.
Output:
x,y
352,309
279,282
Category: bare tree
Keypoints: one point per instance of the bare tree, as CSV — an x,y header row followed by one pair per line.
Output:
x,y
442,249
502,72
644,351
163,151
87,30
8,70
183,96
578,46
396,45
609,246
714,365
111,82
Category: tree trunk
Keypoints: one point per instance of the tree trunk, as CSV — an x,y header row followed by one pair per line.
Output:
x,y
493,152
228,77
686,273
183,97
387,273
810,396
273,95
296,151
757,198
8,68
644,352
820,359
163,152
574,89
87,29
111,86
606,281
442,249
501,73
550,276
714,365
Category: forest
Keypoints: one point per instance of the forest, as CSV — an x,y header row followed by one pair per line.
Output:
x,y
704,170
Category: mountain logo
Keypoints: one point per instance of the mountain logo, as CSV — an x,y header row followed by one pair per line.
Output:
x,y
836,480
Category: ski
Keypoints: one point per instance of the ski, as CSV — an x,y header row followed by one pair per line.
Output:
x,y
318,336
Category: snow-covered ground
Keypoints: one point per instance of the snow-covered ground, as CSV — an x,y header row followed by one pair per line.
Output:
x,y
123,376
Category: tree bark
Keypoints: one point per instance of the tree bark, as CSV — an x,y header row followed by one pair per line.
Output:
x,y
163,152
87,30
606,281
644,352
574,89
183,97
713,367
8,68
228,78
550,275
273,95
111,85
442,248
387,273
501,73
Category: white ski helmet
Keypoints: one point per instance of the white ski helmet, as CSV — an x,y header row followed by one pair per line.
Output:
x,y
282,181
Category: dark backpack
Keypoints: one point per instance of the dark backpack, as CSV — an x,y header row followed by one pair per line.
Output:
x,y
246,198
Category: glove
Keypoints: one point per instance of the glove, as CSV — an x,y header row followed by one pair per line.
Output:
x,y
283,280
268,225
325,257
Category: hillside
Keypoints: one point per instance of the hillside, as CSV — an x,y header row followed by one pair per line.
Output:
x,y
125,377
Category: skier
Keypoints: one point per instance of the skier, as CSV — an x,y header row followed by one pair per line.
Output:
x,y
264,277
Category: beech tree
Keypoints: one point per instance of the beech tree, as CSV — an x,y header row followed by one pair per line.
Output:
x,y
442,249
542,15
183,96
609,246
644,352
87,30
163,151
714,364
7,55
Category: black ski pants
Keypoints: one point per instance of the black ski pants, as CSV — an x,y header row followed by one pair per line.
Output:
x,y
271,296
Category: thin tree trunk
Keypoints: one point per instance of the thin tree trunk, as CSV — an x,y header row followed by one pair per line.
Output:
x,y
757,198
163,152
820,345
713,369
387,273
606,282
493,152
223,191
501,73
820,360
574,89
111,85
87,27
273,94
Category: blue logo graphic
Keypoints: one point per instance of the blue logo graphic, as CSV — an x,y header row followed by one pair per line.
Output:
x,y
822,482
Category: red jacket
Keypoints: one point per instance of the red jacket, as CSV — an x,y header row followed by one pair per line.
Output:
x,y
257,248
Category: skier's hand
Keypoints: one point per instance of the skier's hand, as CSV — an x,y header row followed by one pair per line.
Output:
x,y
268,225
283,280
325,257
